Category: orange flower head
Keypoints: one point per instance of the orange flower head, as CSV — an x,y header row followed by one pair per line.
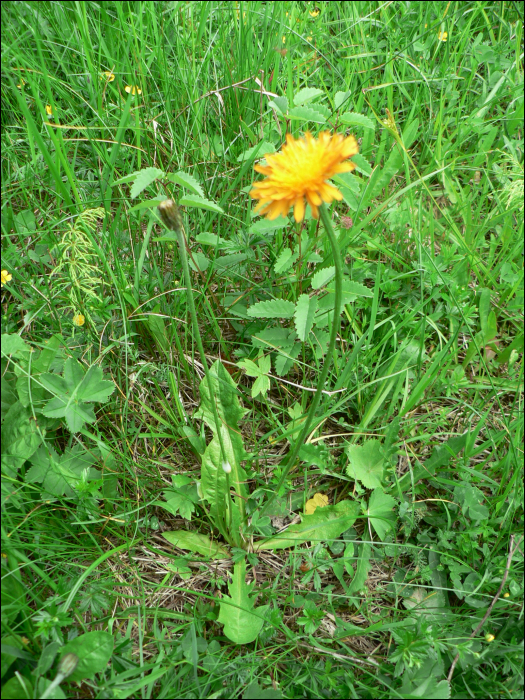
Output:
x,y
300,171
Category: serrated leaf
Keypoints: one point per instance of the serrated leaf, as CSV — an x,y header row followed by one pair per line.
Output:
x,y
14,345
20,438
356,119
275,338
59,474
264,226
366,463
318,500
195,542
94,387
286,358
285,260
259,151
341,97
305,95
304,315
326,523
380,512
143,179
242,621
186,180
274,308
351,290
192,200
322,277
280,104
307,114
206,238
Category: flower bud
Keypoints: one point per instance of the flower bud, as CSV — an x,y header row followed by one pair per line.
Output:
x,y
490,637
170,215
68,664
227,467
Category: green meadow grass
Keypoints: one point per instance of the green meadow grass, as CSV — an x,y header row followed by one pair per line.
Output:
x,y
420,423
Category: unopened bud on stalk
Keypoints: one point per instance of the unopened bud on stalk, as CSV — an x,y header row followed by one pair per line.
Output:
x,y
227,467
169,213
68,664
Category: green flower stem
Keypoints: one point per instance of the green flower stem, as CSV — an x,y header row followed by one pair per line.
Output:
x,y
329,355
187,279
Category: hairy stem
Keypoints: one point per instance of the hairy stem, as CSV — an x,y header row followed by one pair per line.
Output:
x,y
329,355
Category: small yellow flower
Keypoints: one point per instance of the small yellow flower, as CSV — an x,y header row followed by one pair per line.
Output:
x,y
22,82
314,13
309,38
442,36
6,277
506,595
284,40
426,25
49,110
78,320
134,89
300,172
107,75
490,637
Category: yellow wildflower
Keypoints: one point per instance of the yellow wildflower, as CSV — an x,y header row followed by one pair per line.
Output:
x,y
6,277
442,36
22,82
309,38
314,13
506,595
78,320
300,171
490,637
108,75
284,40
134,89
49,110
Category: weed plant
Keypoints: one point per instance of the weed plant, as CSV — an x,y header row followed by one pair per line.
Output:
x,y
249,456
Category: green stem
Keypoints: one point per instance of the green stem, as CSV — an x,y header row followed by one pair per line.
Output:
x,y
329,355
187,280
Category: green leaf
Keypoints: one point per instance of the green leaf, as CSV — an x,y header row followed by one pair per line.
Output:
x,y
362,569
242,622
206,238
143,179
94,387
323,276
20,438
308,114
340,97
187,181
305,95
274,308
14,345
280,104
227,402
260,372
366,463
259,151
285,260
380,512
94,651
195,542
304,315
356,119
351,290
192,200
72,390
60,474
326,523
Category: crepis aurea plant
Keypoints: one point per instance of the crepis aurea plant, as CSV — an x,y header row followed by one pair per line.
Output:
x,y
297,174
